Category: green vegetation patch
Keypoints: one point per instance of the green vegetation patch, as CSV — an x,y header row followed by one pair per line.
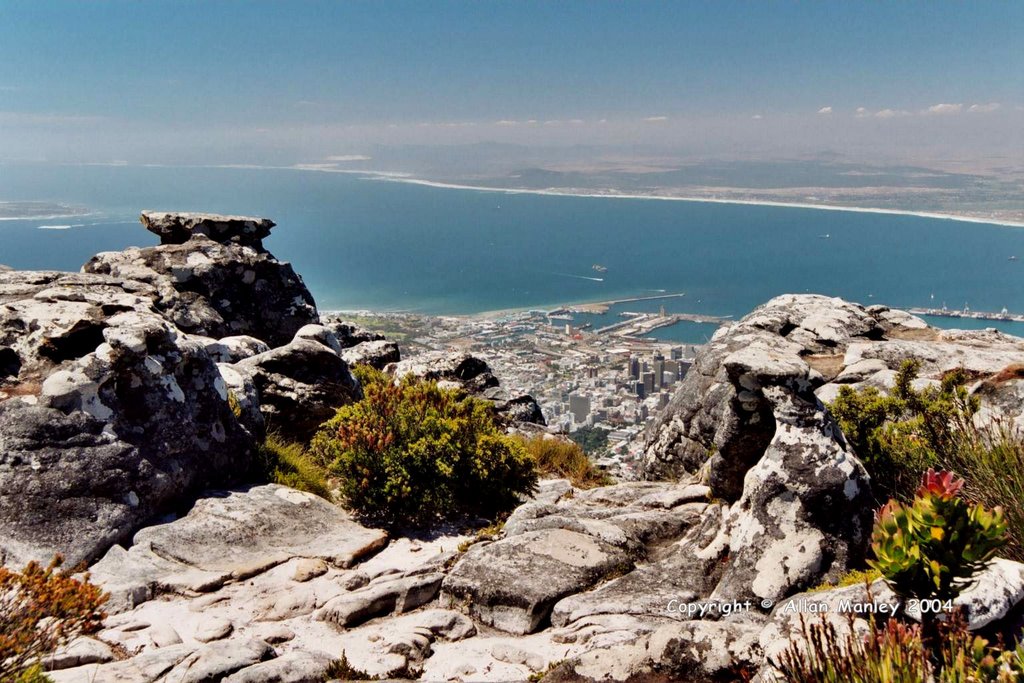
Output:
x,y
591,439
901,434
412,452
290,464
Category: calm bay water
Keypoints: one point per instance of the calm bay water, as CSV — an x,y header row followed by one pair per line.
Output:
x,y
370,244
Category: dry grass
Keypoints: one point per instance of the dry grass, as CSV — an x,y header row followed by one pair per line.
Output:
x,y
561,458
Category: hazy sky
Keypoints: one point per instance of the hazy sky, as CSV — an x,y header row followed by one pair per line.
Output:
x,y
284,82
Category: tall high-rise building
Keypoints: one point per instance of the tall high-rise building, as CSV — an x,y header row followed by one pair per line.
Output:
x,y
658,368
634,367
648,380
579,406
676,352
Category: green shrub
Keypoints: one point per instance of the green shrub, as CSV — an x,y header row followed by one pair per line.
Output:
x,y
369,375
901,434
933,546
411,452
289,464
968,658
559,458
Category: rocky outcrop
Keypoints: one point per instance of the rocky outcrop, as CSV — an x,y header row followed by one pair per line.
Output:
x,y
721,419
747,420
108,415
474,376
553,553
178,228
349,334
605,584
219,282
376,354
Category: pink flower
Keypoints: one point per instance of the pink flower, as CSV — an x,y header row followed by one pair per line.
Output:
x,y
943,484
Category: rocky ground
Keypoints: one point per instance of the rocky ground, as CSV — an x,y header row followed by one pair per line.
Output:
x,y
133,395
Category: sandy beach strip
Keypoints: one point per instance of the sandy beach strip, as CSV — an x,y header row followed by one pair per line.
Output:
x,y
555,192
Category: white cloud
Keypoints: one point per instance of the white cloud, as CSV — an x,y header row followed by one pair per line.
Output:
x,y
757,117
891,113
506,122
983,108
825,110
656,119
348,157
576,122
861,112
945,108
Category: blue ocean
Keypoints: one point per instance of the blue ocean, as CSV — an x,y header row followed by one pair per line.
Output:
x,y
366,243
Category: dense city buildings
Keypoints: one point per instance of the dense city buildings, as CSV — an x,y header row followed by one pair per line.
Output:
x,y
582,379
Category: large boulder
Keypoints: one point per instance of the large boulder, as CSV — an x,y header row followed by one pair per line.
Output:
x,y
720,416
220,282
349,334
108,416
553,554
301,384
377,354
474,376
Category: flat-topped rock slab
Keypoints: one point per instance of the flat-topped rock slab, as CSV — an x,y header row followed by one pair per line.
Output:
x,y
179,227
231,535
513,584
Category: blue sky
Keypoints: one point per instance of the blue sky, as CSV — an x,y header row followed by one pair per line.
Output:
x,y
147,80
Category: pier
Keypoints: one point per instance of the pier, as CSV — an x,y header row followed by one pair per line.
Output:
x,y
601,307
645,323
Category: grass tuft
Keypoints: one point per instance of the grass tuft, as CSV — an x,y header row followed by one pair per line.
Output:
x,y
289,464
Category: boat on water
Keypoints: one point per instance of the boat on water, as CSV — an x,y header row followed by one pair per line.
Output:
x,y
1012,258
599,268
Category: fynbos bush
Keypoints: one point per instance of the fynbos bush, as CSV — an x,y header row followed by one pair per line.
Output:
x,y
901,434
40,610
412,451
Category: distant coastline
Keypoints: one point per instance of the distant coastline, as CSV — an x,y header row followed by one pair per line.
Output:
x,y
408,178
555,192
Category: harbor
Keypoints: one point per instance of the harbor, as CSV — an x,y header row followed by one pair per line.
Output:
x,y
966,312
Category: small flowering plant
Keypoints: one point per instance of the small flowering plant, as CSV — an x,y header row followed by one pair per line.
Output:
x,y
934,546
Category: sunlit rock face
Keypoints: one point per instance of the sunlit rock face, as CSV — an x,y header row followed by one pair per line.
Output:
x,y
109,415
